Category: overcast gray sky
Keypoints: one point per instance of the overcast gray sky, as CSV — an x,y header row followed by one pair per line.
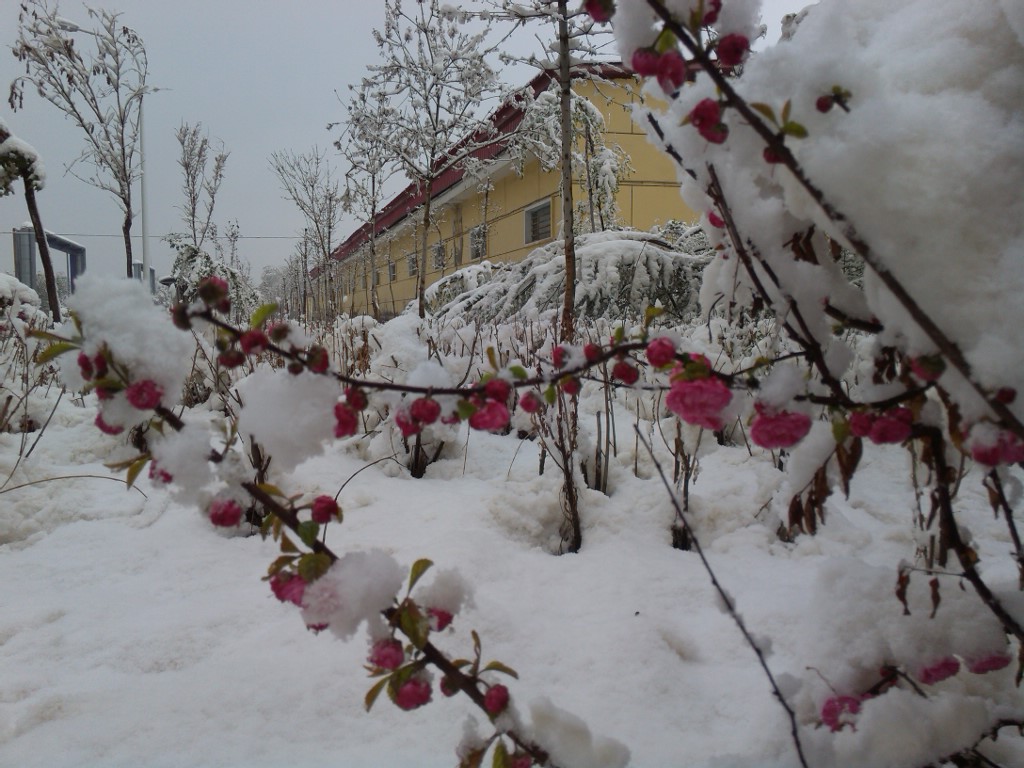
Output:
x,y
259,74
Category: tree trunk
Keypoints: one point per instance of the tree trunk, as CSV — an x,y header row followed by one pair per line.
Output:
x,y
421,281
565,94
126,231
44,250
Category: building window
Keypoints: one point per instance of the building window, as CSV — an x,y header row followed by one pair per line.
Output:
x,y
437,255
538,222
413,266
376,277
362,280
478,242
392,271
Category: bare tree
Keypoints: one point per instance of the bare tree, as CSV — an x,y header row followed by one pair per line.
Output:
x,y
20,161
200,183
309,183
100,92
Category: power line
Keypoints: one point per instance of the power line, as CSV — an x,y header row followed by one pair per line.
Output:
x,y
161,237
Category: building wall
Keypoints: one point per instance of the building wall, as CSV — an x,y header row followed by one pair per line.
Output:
x,y
648,196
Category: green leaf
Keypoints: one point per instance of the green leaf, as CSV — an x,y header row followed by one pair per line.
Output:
x,y
785,110
312,566
260,315
38,334
794,129
281,562
518,371
420,567
135,468
465,409
497,666
308,531
374,692
666,41
500,757
54,350
765,110
651,313
414,624
270,489
550,395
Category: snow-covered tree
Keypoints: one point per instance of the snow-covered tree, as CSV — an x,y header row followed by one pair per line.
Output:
x,y
369,116
18,160
436,74
308,182
200,181
101,92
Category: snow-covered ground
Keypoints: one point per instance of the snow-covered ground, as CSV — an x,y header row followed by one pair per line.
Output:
x,y
133,633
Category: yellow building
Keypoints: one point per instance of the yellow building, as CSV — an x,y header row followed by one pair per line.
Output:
x,y
506,219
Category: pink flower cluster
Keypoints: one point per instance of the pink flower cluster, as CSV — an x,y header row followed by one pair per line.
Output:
x,y
661,352
836,711
669,68
346,414
496,699
938,671
213,291
92,367
413,693
225,513
491,414
892,426
421,412
773,428
601,10
144,395
699,400
731,49
706,117
387,653
1002,447
324,509
288,587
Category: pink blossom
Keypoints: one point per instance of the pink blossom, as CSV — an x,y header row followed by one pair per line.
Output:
x,y
778,429
558,356
439,618
1006,395
661,352
225,513
158,474
144,395
85,366
413,693
645,62
288,588
530,402
213,291
520,761
939,670
699,401
107,429
490,416
715,220
448,687
989,663
231,358
861,423
1007,449
711,9
591,352
104,393
406,424
253,342
570,385
835,710
387,653
496,699
706,117
425,410
325,509
671,71
356,398
771,155
317,360
824,103
497,389
732,48
600,10
347,421
625,372
892,426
